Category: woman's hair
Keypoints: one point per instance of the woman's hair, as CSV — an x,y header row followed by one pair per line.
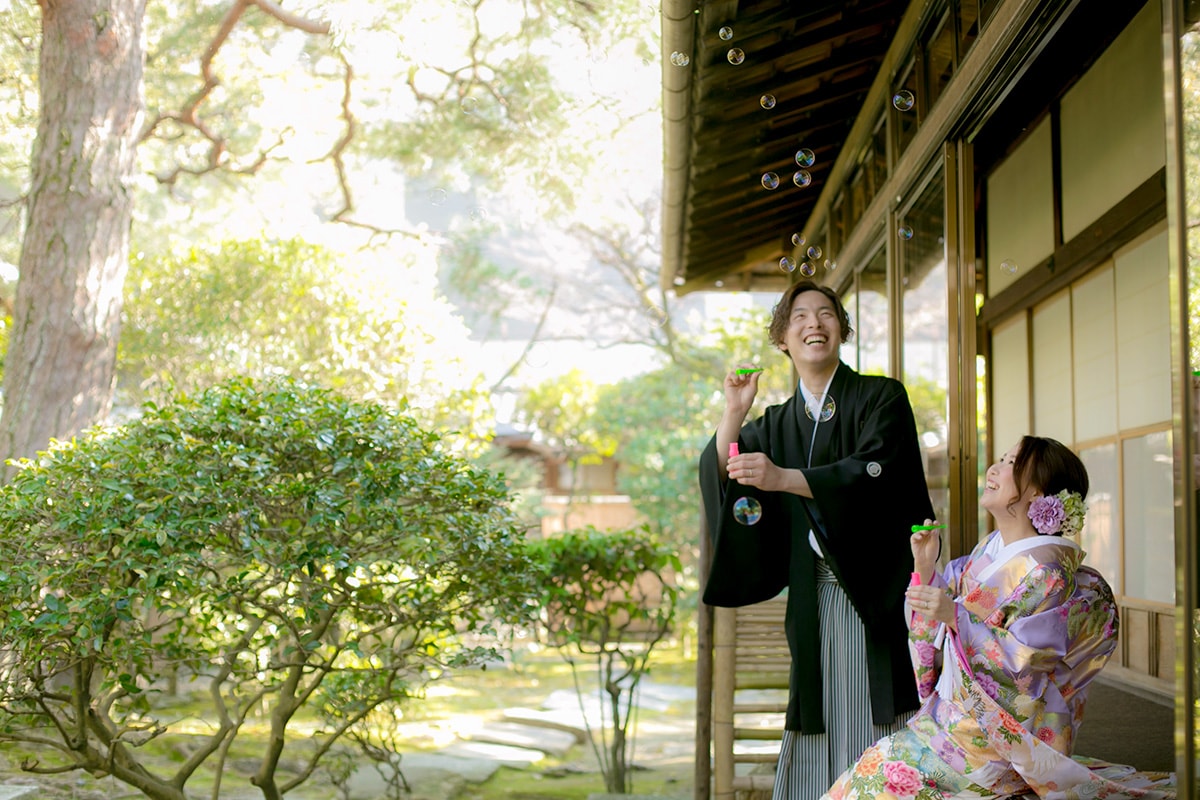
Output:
x,y
1049,466
782,312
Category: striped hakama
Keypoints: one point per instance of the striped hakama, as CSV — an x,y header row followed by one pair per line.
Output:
x,y
808,765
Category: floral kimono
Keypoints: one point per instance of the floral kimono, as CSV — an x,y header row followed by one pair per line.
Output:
x,y
1002,698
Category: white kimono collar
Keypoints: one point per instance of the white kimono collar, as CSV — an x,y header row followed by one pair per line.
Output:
x,y
1010,551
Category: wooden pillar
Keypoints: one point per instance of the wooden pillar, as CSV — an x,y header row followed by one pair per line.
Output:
x,y
724,678
702,771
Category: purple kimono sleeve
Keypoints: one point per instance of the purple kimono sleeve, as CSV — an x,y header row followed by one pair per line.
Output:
x,y
1025,633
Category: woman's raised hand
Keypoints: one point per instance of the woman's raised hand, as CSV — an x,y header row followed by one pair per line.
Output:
x,y
925,544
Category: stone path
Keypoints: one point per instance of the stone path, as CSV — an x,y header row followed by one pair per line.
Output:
x,y
520,737
12,792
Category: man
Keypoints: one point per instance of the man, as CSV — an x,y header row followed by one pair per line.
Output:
x,y
836,471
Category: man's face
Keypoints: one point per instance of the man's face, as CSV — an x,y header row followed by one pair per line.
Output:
x,y
814,332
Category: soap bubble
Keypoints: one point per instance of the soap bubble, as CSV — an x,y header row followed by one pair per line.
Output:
x,y
904,232
736,55
787,264
802,177
903,100
437,196
770,180
767,101
805,157
814,252
469,105
726,33
680,59
1009,267
798,239
747,510
807,269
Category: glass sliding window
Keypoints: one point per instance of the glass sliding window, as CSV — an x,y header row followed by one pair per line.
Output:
x,y
1183,202
871,322
921,245
906,105
967,18
877,160
939,59
859,198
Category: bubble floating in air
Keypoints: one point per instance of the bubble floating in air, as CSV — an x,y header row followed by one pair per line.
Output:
x,y
798,239
830,265
770,180
904,232
437,196
903,100
680,59
767,101
736,55
814,252
1009,267
807,269
726,33
805,157
747,510
787,264
468,105
802,177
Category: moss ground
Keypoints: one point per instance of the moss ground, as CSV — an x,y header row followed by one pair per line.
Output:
x,y
662,754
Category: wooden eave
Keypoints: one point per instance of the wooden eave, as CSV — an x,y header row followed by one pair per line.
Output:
x,y
721,227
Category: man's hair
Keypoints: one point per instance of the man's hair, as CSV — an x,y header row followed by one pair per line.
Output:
x,y
782,312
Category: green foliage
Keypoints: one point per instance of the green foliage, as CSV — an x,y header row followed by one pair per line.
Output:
x,y
277,545
262,308
663,419
930,404
602,590
18,118
561,410
610,596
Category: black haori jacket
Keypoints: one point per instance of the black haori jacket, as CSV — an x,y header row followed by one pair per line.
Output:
x,y
868,488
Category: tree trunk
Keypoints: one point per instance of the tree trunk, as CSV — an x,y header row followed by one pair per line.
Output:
x,y
59,370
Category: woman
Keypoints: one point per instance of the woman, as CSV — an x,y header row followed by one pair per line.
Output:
x,y
1004,643
835,471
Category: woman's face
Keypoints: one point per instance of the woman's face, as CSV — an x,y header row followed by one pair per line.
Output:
x,y
1000,487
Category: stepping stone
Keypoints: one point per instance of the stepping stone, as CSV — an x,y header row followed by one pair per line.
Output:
x,y
549,741
650,696
570,722
503,754
12,792
666,693
428,774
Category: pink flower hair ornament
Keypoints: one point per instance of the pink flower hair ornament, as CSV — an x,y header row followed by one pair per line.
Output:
x,y
1060,514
